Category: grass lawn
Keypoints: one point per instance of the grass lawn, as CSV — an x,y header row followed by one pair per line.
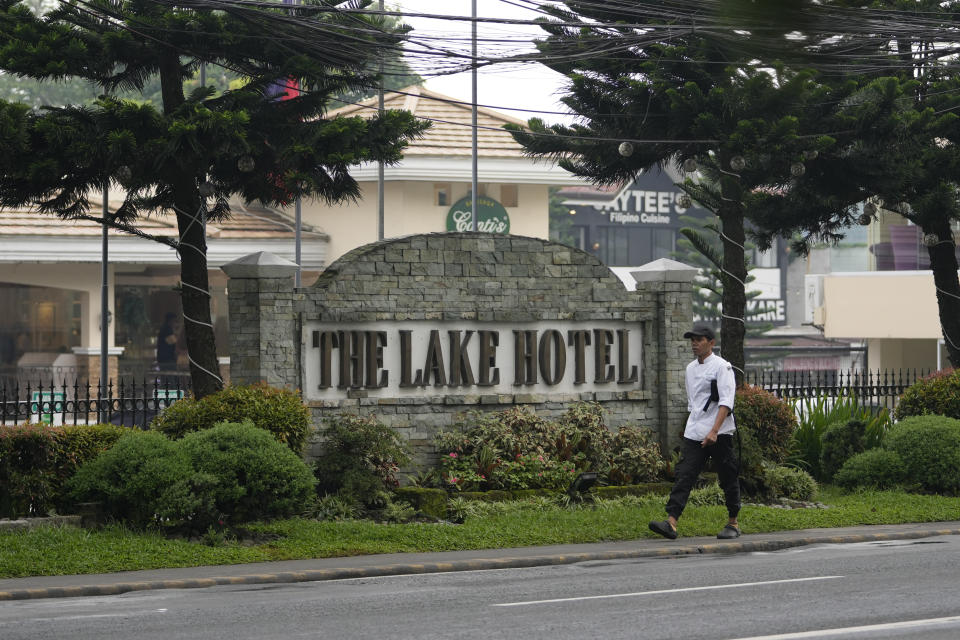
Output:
x,y
69,550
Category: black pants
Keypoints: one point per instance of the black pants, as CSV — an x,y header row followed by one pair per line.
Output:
x,y
693,458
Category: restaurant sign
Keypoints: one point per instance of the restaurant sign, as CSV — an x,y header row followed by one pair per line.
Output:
x,y
491,216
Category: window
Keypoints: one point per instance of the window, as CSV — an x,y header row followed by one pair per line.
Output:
x,y
442,194
663,243
509,195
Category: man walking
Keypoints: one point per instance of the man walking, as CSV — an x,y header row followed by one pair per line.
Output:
x,y
709,434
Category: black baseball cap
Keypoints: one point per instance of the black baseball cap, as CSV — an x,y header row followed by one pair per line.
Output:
x,y
701,330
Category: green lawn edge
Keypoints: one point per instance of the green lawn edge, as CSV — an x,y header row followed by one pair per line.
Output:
x,y
66,550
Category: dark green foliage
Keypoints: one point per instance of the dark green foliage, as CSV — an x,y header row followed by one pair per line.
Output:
x,y
841,441
255,477
872,469
937,394
279,411
753,467
35,461
231,473
697,95
432,502
930,449
769,420
359,460
790,482
817,414
241,143
142,480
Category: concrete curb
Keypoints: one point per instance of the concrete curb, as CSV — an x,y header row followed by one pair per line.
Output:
x,y
463,565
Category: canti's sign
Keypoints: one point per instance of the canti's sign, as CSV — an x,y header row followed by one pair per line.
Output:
x,y
419,358
491,216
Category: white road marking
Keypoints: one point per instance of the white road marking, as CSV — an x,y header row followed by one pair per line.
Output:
x,y
87,616
663,591
872,628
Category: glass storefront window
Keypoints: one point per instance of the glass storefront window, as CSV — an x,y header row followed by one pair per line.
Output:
x,y
143,300
37,319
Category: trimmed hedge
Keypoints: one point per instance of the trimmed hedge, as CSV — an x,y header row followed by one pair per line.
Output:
x,y
36,460
229,474
930,449
874,469
937,394
790,482
279,411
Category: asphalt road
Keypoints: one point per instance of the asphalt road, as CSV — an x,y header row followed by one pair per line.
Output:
x,y
895,589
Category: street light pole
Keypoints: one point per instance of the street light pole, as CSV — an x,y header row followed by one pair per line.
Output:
x,y
473,198
380,186
104,415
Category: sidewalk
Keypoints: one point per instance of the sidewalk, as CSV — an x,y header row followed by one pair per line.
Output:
x,y
414,563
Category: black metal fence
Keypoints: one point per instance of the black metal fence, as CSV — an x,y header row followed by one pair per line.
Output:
x,y
876,389
135,404
127,403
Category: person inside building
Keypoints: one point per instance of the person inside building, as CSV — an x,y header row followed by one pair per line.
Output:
x,y
709,433
167,343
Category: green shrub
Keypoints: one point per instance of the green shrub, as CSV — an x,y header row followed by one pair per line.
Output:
x,y
817,414
583,438
432,502
841,441
516,449
332,508
873,469
708,496
254,476
230,473
753,468
790,482
769,420
359,460
930,449
279,411
511,449
35,461
634,457
141,480
936,394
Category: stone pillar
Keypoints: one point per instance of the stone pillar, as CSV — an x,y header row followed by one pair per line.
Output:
x,y
264,341
671,283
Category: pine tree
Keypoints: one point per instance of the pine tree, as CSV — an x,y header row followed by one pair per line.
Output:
x,y
700,246
900,143
649,89
192,152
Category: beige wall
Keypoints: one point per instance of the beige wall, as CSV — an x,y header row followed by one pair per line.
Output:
x,y
894,311
889,354
410,209
880,304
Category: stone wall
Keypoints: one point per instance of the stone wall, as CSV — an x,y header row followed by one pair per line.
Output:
x,y
464,277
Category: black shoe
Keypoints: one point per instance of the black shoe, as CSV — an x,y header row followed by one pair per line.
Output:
x,y
663,528
729,532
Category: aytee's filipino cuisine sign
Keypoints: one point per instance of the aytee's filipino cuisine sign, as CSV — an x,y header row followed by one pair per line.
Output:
x,y
422,358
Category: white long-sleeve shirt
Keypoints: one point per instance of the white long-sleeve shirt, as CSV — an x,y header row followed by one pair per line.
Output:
x,y
698,378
